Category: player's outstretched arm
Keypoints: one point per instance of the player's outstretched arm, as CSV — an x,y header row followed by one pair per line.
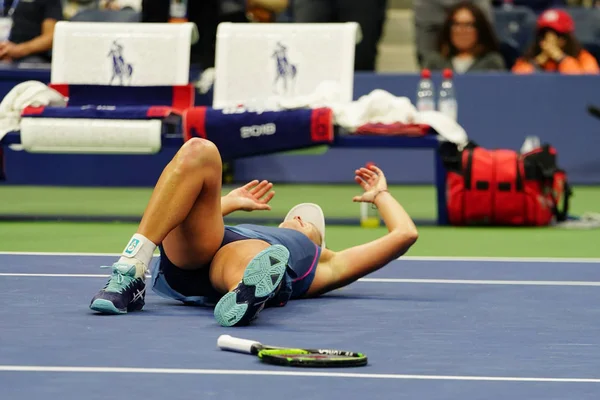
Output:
x,y
338,269
252,196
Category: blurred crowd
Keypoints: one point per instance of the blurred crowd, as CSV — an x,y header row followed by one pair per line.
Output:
x,y
465,36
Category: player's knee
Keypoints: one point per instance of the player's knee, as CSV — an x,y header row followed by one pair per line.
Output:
x,y
198,153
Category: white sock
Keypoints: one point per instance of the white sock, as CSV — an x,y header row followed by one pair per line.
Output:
x,y
139,251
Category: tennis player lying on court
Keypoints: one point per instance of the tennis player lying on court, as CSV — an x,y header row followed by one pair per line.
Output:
x,y
241,268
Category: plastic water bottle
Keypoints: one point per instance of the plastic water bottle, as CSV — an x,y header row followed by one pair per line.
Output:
x,y
369,216
425,92
447,104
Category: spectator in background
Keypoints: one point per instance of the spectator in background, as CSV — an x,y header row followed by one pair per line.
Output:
x,y
537,6
204,13
252,10
429,19
117,5
467,43
72,7
556,49
207,14
32,32
369,14
265,10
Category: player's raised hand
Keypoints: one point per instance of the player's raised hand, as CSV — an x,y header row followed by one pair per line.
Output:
x,y
253,196
372,180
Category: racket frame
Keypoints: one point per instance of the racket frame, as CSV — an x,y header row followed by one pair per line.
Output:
x,y
303,358
277,355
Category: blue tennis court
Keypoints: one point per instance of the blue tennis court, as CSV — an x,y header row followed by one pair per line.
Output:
x,y
432,328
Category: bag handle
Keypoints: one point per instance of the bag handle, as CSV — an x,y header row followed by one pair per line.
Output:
x,y
567,193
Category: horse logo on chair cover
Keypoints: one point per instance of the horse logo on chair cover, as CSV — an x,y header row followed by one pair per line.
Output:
x,y
285,74
121,70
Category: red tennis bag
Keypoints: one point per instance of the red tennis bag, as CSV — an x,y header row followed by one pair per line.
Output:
x,y
504,187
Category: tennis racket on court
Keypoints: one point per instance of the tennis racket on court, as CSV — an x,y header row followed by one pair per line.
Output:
x,y
293,357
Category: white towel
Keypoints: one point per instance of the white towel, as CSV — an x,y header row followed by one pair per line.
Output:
x,y
29,93
379,106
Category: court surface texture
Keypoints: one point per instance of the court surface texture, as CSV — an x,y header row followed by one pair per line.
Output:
x,y
433,328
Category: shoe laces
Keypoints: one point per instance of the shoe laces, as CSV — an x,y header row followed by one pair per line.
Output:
x,y
121,277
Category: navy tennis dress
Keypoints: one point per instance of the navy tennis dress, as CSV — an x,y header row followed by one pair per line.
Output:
x,y
194,287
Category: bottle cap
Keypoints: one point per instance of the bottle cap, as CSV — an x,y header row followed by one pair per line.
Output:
x,y
447,74
425,74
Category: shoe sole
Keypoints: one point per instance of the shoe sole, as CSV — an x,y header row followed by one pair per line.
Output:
x,y
263,274
106,307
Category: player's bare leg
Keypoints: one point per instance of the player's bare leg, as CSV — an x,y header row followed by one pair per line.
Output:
x,y
184,213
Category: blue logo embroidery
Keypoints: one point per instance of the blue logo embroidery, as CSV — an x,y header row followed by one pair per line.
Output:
x,y
121,70
133,244
285,76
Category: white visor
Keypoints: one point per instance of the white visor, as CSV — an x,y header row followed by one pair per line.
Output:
x,y
312,213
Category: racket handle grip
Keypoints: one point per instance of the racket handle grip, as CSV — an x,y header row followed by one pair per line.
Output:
x,y
226,342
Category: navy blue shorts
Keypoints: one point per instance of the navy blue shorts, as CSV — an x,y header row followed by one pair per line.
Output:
x,y
188,285
192,286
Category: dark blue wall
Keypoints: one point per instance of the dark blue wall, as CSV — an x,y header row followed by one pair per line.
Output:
x,y
497,110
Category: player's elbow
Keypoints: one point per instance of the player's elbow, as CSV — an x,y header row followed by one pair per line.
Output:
x,y
405,240
410,237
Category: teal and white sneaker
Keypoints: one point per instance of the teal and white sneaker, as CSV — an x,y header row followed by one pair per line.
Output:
x,y
260,283
123,292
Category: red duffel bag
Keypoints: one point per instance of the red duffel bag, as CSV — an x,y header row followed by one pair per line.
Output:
x,y
504,187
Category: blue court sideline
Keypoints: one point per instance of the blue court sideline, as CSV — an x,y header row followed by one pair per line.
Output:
x,y
432,330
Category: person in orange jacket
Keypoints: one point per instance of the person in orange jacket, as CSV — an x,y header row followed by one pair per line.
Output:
x,y
556,49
